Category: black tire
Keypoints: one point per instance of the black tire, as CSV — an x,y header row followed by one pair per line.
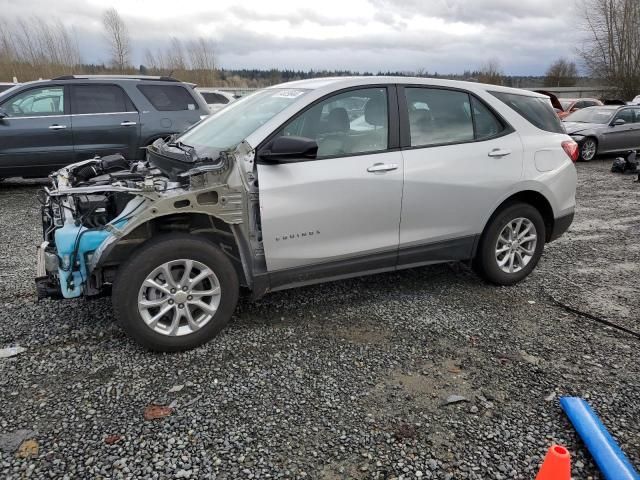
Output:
x,y
485,262
153,254
584,148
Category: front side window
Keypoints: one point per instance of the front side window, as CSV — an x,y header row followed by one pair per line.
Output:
x,y
438,116
169,98
98,99
535,110
344,124
37,102
626,115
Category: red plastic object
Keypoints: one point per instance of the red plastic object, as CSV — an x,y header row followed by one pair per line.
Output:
x,y
556,464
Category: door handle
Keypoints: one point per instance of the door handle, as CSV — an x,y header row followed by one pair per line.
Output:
x,y
499,152
128,124
382,167
57,127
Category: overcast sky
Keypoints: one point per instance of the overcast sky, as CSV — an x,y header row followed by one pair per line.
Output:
x,y
445,36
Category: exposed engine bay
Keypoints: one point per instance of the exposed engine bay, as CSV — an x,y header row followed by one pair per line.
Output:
x,y
98,211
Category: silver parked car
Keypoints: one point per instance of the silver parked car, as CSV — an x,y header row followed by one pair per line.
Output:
x,y
307,182
605,129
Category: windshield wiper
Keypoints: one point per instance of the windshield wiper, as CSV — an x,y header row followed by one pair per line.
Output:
x,y
188,150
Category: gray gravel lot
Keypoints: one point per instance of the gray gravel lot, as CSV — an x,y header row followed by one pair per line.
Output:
x,y
337,381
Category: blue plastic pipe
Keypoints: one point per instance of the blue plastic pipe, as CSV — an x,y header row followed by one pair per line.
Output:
x,y
610,459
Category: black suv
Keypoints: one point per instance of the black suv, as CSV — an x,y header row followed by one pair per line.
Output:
x,y
47,124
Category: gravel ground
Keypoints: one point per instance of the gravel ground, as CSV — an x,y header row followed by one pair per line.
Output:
x,y
338,381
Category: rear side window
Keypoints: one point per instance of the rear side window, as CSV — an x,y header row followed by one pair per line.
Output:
x,y
86,99
438,116
169,98
486,123
211,97
536,110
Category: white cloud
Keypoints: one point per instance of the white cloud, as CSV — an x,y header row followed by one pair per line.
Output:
x,y
372,35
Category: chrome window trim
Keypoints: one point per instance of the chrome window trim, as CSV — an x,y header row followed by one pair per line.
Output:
x,y
32,117
102,113
69,115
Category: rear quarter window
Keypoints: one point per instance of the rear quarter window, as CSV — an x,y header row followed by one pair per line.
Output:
x,y
535,110
169,98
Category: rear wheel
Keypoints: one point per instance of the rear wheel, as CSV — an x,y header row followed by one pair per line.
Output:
x,y
175,293
588,149
511,245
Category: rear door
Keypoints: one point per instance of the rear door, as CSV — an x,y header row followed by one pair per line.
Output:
x,y
459,160
104,121
35,137
340,213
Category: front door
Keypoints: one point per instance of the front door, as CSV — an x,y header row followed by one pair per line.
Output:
x,y
341,211
104,121
35,136
459,159
625,136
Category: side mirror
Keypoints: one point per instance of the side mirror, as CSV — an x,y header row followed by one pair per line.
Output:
x,y
619,121
3,113
288,150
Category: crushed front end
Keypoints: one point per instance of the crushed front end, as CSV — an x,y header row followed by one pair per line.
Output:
x,y
98,206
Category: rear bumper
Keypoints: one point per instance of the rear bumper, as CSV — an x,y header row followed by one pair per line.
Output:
x,y
561,225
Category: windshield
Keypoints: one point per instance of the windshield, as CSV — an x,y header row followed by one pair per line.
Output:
x,y
591,115
233,124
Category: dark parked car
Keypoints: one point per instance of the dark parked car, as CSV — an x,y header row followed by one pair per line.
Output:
x,y
605,129
47,124
6,86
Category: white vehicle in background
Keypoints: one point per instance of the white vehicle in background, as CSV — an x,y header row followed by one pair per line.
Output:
x,y
635,101
216,99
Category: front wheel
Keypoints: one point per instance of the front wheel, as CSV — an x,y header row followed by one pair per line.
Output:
x,y
511,245
588,149
175,293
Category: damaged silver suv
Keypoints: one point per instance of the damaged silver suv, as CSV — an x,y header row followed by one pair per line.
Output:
x,y
307,182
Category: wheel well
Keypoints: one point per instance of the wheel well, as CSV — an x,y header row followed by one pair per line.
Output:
x,y
536,200
214,230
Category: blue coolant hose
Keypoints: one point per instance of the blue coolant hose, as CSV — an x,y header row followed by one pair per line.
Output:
x,y
610,459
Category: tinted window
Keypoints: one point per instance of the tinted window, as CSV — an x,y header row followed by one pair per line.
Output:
x,y
170,98
536,110
627,115
580,104
98,99
37,102
438,116
211,97
347,123
486,123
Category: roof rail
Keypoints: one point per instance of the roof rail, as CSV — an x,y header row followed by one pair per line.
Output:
x,y
115,77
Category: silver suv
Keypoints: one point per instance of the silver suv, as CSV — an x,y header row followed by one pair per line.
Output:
x,y
307,182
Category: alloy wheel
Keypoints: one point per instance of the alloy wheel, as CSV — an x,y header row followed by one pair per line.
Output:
x,y
179,297
588,150
516,245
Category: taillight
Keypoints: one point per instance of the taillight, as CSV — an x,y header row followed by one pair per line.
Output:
x,y
571,148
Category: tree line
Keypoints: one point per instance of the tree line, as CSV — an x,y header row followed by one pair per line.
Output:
x,y
35,48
